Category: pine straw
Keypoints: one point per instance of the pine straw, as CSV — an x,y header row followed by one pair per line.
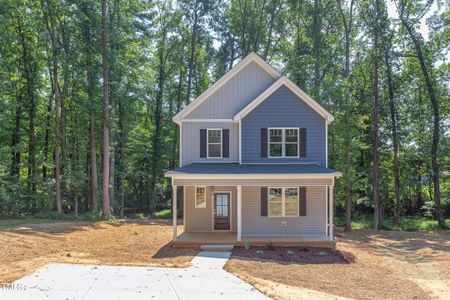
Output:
x,y
25,248
386,265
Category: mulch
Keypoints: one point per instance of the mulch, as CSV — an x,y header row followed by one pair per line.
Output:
x,y
299,255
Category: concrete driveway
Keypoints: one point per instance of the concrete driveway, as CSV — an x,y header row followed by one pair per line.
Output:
x,y
205,279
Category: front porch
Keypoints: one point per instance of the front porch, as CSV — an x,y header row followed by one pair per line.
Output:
x,y
196,239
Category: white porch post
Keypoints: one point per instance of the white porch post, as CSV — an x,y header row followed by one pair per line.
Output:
x,y
331,222
239,213
174,212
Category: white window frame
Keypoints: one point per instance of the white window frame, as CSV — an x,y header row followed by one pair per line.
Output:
x,y
283,201
204,197
220,143
283,142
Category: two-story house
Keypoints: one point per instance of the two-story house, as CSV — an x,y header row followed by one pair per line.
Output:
x,y
253,163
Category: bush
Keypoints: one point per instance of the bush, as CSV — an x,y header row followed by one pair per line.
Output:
x,y
270,246
247,245
163,214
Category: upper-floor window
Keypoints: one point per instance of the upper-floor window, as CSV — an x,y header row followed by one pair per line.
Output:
x,y
214,143
283,142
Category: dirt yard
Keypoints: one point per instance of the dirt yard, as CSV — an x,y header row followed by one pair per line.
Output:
x,y
27,247
366,265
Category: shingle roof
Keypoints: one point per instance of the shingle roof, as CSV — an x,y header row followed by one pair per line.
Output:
x,y
234,168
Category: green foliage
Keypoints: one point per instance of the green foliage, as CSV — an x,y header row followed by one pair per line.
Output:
x,y
407,223
270,246
247,245
164,214
164,54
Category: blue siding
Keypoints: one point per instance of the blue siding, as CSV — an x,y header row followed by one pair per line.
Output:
x,y
283,109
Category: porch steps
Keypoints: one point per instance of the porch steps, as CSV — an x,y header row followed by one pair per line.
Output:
x,y
206,247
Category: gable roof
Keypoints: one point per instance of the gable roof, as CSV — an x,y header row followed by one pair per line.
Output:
x,y
295,89
252,57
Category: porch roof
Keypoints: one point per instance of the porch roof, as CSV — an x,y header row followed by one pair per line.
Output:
x,y
251,169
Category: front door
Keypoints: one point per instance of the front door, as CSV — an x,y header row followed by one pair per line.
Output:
x,y
221,211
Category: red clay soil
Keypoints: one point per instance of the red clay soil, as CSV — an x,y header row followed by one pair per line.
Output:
x,y
367,264
27,247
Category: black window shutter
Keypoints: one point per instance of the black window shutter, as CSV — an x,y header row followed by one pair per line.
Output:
x,y
264,202
302,142
202,142
263,142
180,198
226,142
302,200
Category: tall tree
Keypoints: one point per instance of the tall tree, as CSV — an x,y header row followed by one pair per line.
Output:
x,y
347,19
106,133
406,9
375,118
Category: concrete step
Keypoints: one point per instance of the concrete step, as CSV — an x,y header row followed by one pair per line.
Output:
x,y
216,247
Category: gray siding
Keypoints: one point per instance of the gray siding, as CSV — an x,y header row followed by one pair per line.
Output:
x,y
201,219
314,223
283,109
191,141
233,96
254,182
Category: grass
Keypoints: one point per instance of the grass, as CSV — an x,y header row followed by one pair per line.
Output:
x,y
407,223
163,214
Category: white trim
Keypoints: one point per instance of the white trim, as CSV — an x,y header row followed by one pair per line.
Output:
x,y
295,89
252,57
280,163
208,121
221,143
181,145
326,210
240,142
239,212
283,201
230,201
283,142
326,144
174,212
195,196
184,208
254,176
331,226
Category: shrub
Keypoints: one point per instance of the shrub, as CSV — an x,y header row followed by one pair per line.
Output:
x,y
163,214
247,245
270,246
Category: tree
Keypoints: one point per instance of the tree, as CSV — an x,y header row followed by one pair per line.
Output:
x,y
106,143
408,21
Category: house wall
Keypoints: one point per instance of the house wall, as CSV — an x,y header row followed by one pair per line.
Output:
x,y
191,141
314,223
201,219
283,109
234,95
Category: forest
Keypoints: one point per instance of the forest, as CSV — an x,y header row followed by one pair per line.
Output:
x,y
88,90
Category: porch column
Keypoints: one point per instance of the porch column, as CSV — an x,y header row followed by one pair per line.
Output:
x,y
174,212
331,222
239,213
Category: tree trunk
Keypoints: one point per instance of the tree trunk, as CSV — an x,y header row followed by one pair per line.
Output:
x,y
49,19
121,156
375,121
106,209
393,114
15,153
436,120
347,134
192,54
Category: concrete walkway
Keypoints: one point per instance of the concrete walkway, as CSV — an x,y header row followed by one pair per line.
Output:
x,y
205,279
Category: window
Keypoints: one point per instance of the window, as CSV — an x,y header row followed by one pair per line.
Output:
x,y
283,142
214,143
200,197
283,202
